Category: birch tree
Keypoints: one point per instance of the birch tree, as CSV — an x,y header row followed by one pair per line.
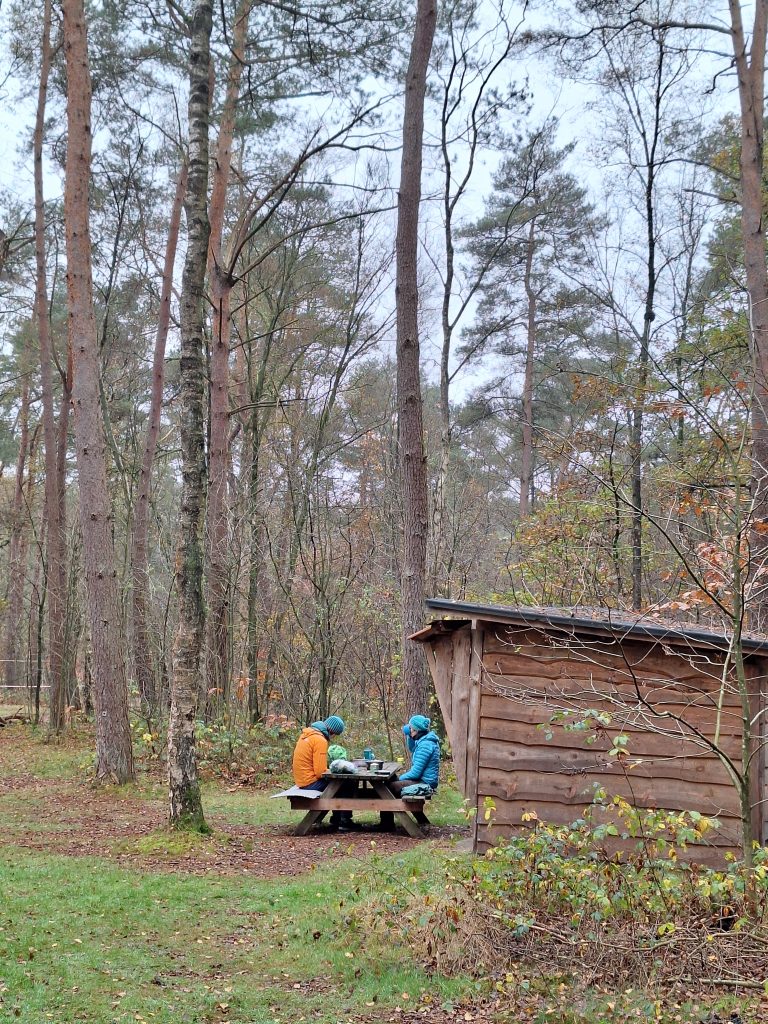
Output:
x,y
186,809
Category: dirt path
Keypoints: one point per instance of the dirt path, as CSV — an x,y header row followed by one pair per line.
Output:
x,y
72,817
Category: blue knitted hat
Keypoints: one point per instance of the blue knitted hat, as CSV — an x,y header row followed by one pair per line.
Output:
x,y
334,725
419,722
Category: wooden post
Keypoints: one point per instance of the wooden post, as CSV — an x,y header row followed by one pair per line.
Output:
x,y
758,684
462,654
473,722
440,662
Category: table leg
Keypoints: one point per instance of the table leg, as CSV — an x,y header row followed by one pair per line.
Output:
x,y
409,825
310,818
402,817
315,817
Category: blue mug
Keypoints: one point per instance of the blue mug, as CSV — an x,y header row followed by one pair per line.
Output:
x,y
368,754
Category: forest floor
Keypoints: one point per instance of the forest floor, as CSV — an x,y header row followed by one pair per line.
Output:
x,y
105,918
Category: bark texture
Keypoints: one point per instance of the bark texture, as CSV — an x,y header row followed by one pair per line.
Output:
x,y
186,809
146,674
531,297
750,68
114,758
55,547
17,551
409,404
218,645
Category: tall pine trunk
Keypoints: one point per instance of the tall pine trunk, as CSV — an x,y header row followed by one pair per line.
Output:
x,y
750,68
146,674
186,809
218,645
55,548
114,757
409,404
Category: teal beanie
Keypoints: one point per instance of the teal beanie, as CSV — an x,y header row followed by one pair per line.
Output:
x,y
419,722
334,725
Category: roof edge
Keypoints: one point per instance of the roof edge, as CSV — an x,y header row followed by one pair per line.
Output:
x,y
538,616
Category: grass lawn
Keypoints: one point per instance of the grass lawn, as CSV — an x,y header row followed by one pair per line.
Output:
x,y
106,917
85,941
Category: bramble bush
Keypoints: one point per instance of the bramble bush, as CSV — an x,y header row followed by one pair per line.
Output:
x,y
614,888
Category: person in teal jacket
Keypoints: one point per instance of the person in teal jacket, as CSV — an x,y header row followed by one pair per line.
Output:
x,y
424,747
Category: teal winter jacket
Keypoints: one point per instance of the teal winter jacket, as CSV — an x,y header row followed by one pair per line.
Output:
x,y
426,760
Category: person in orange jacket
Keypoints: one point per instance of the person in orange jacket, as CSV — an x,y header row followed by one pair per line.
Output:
x,y
310,761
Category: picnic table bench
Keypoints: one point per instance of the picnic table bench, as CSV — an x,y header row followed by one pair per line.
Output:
x,y
372,793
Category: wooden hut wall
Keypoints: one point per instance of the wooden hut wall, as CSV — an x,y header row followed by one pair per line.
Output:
x,y
455,663
499,686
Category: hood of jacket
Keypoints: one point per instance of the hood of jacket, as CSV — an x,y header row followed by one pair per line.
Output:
x,y
316,727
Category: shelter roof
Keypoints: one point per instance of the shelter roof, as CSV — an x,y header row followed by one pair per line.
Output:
x,y
601,621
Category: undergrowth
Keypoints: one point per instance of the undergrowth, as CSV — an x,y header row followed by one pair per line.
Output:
x,y
241,754
253,755
612,897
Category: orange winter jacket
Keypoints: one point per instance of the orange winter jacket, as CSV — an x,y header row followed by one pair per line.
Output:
x,y
310,757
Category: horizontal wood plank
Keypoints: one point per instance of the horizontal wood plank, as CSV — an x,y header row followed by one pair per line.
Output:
x,y
547,644
708,798
510,740
301,803
574,763
681,720
567,665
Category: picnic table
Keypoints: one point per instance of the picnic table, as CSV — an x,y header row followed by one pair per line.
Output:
x,y
371,793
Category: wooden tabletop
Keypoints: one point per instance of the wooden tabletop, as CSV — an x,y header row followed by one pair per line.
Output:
x,y
390,768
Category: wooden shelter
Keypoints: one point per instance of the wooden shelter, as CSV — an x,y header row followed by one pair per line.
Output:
x,y
502,674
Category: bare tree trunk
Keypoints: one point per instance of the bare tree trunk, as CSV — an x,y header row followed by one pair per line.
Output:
x,y
142,639
636,457
409,404
218,644
186,809
56,570
750,68
638,411
17,548
444,404
526,463
68,655
35,635
114,757
218,625
257,425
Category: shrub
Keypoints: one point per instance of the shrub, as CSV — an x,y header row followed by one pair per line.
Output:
x,y
611,892
253,755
